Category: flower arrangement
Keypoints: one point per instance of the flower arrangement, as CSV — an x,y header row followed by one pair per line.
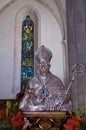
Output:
x,y
77,120
11,118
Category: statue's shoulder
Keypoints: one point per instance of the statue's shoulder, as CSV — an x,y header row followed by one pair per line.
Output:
x,y
56,79
34,80
54,76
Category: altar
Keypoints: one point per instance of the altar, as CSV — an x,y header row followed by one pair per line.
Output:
x,y
45,120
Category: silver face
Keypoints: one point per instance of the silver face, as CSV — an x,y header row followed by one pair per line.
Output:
x,y
43,67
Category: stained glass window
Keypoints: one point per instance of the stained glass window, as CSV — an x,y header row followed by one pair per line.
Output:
x,y
27,53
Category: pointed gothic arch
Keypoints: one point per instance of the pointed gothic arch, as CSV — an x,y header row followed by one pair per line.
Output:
x,y
20,17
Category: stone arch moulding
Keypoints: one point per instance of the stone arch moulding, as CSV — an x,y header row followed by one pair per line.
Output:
x,y
21,15
35,16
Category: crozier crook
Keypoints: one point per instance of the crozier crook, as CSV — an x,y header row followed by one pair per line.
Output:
x,y
77,68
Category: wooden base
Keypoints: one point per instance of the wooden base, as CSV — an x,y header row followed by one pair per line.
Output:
x,y
45,120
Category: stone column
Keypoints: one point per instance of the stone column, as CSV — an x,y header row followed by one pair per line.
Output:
x,y
76,33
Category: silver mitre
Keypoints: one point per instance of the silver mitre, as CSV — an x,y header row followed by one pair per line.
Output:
x,y
43,53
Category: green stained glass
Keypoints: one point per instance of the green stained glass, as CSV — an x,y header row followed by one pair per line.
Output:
x,y
27,53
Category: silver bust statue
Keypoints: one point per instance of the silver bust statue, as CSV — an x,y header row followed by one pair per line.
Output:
x,y
45,91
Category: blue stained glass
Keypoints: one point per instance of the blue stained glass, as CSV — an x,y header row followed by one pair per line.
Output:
x,y
27,52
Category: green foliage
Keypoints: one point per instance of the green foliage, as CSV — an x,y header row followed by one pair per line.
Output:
x,y
81,111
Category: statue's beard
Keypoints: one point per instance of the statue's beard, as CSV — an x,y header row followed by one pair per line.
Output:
x,y
43,70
